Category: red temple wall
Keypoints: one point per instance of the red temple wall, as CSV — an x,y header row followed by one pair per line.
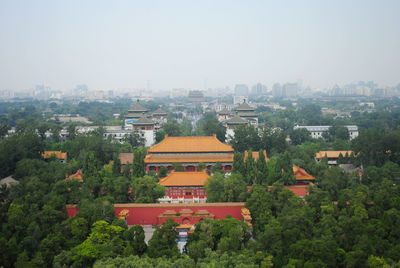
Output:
x,y
147,214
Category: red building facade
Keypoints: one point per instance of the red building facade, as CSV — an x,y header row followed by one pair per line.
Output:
x,y
189,152
156,214
184,187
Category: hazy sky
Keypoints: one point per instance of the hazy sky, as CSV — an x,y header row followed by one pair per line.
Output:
x,y
122,44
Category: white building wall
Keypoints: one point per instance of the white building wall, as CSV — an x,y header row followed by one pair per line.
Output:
x,y
230,133
149,137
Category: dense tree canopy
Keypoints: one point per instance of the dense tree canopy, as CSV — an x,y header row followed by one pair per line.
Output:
x,y
346,220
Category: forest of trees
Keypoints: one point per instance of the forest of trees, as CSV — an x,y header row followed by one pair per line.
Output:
x,y
347,220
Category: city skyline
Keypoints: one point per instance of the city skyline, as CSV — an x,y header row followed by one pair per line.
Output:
x,y
197,45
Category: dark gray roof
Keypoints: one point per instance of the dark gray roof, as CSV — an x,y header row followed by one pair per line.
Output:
x,y
247,114
137,107
143,121
245,107
9,181
236,120
224,111
159,111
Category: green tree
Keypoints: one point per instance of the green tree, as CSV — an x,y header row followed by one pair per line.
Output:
x,y
172,128
138,168
299,136
105,240
16,148
186,127
163,241
226,189
251,170
135,237
210,125
239,165
163,172
116,168
246,137
135,140
4,128
71,131
147,190
262,169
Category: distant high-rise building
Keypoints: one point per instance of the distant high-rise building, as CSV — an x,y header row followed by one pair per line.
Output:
x,y
241,90
258,89
81,90
277,90
290,89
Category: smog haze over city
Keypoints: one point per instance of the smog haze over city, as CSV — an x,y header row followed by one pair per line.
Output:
x,y
161,45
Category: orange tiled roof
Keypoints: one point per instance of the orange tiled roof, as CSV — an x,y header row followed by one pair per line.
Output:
x,y
77,175
58,154
302,175
193,144
255,155
188,158
331,154
301,190
185,179
126,158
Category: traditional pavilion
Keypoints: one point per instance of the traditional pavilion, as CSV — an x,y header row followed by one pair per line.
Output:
x,y
145,128
332,156
184,187
302,177
247,112
134,113
77,176
189,152
231,124
224,114
61,156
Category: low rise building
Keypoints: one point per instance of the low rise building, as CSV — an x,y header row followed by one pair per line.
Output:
x,y
332,156
184,187
61,156
317,131
145,128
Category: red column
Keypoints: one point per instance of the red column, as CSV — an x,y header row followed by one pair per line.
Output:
x,y
157,167
195,168
147,168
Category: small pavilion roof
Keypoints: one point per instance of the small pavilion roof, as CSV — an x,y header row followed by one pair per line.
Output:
x,y
245,107
332,154
57,154
185,179
159,111
143,121
137,107
237,120
301,175
77,175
